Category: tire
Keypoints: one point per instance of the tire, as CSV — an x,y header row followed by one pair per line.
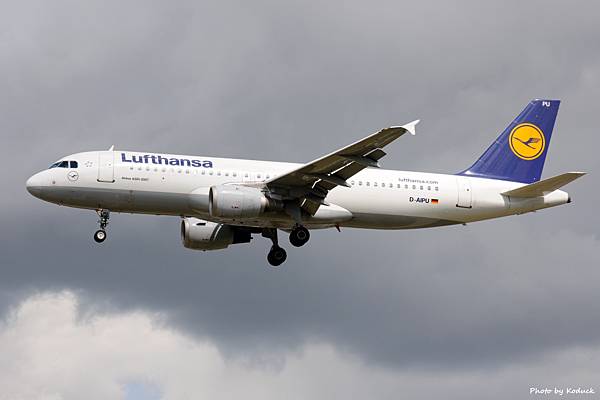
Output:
x,y
276,256
299,236
100,236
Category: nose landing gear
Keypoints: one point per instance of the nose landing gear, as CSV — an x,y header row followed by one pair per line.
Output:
x,y
277,255
100,234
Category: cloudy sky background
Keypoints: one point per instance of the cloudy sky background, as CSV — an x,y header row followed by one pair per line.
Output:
x,y
491,309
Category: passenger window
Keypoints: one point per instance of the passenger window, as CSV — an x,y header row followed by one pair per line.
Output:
x,y
375,184
414,187
203,172
359,183
436,188
391,185
218,173
246,175
405,186
257,176
210,172
421,187
368,183
73,164
428,187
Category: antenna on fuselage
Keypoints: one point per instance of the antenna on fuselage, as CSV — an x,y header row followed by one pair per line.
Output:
x,y
111,148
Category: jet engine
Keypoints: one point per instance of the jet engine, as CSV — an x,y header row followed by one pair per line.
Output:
x,y
236,201
198,234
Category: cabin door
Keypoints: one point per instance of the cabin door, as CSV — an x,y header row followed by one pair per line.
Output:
x,y
465,195
106,166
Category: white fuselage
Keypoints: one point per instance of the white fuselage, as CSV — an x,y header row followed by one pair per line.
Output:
x,y
165,184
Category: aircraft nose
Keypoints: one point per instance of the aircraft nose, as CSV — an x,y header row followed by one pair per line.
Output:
x,y
34,185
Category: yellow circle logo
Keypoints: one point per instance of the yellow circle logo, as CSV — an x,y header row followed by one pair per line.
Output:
x,y
527,141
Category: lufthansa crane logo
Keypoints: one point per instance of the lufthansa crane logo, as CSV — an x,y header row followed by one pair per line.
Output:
x,y
73,176
527,141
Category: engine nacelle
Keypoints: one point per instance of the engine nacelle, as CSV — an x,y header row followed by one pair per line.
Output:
x,y
198,234
236,201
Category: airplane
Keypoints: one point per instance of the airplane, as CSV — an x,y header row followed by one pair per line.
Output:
x,y
224,201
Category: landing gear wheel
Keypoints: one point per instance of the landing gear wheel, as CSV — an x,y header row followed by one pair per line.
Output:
x,y
299,236
276,256
100,236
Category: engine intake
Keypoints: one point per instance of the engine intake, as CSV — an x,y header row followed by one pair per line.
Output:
x,y
235,201
198,234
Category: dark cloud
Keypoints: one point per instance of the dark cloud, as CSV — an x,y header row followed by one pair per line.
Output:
x,y
291,81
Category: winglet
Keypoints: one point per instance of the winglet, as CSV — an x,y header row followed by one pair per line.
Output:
x,y
410,127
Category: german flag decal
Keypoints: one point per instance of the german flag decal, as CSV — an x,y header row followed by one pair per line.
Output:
x,y
434,201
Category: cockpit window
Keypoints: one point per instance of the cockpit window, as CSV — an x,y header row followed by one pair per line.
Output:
x,y
73,164
63,164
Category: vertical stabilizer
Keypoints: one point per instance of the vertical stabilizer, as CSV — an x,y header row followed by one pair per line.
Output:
x,y
520,151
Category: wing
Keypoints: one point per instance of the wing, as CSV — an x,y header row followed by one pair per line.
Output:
x,y
310,183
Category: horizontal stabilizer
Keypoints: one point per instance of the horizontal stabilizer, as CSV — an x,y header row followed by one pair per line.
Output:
x,y
544,187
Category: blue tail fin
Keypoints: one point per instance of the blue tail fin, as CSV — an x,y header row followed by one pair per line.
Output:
x,y
520,151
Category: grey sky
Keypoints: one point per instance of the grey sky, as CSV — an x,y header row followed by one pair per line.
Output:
x,y
290,81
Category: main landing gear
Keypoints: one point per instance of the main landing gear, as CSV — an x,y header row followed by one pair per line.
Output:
x,y
100,234
299,236
277,255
